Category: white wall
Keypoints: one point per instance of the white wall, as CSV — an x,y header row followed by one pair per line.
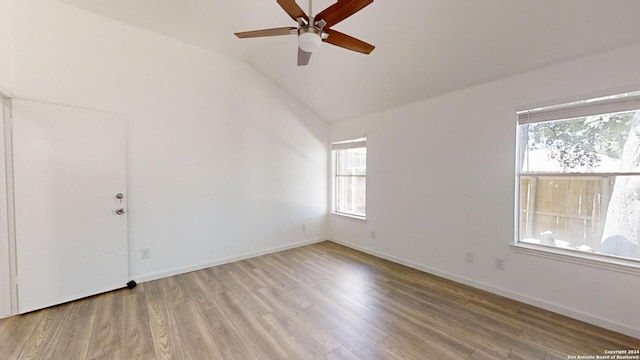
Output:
x,y
441,182
5,40
221,163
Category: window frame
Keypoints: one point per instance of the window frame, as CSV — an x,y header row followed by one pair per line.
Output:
x,y
629,101
335,146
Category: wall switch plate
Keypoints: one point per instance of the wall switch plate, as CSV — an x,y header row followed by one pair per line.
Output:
x,y
373,234
469,257
145,253
304,227
499,263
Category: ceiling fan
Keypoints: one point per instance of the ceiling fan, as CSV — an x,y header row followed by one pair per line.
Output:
x,y
313,30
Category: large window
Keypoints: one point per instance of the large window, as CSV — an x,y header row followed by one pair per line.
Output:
x,y
579,176
350,177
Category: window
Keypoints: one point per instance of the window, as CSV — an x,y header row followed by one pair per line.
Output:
x,y
350,177
579,176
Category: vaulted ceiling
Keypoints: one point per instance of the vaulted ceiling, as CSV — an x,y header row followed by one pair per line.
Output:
x,y
424,48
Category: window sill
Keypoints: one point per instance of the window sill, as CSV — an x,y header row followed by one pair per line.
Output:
x,y
357,218
578,257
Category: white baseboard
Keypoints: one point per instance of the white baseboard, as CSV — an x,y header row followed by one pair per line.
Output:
x,y
500,291
208,264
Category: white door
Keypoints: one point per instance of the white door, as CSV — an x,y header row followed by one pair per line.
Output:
x,y
69,166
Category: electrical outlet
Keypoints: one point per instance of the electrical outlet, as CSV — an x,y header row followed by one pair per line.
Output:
x,y
468,257
304,227
145,253
373,234
499,263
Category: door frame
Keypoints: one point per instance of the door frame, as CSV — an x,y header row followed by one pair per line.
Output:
x,y
10,297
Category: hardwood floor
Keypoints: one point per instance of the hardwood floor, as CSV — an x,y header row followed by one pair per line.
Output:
x,y
319,301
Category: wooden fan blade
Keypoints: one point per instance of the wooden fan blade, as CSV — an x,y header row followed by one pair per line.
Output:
x,y
345,41
303,57
292,9
341,10
267,32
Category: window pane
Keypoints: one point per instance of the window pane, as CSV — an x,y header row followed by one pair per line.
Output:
x,y
351,195
582,145
596,214
351,161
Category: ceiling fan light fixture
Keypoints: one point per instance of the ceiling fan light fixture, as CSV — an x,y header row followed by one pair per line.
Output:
x,y
309,38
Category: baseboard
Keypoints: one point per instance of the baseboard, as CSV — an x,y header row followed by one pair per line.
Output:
x,y
499,291
186,269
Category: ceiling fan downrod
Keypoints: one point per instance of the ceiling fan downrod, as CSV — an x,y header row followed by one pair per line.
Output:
x,y
310,36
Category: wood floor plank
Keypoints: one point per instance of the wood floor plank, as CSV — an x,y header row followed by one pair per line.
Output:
x,y
166,340
72,341
348,336
499,318
317,301
291,339
442,337
561,344
137,342
555,356
283,282
277,299
335,302
153,290
301,325
400,349
113,355
442,345
455,322
211,280
250,280
193,332
16,331
480,354
329,275
440,314
538,324
261,342
249,299
332,303
515,355
42,337
107,330
342,353
198,290
228,340
174,290
389,321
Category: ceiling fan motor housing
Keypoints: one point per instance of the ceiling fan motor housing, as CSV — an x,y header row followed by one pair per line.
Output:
x,y
309,38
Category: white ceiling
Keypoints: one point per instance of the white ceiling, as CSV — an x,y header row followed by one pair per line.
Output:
x,y
424,48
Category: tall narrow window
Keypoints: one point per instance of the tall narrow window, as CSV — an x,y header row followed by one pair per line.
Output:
x,y
579,176
350,177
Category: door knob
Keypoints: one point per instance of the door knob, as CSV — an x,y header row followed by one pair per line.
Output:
x,y
120,211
